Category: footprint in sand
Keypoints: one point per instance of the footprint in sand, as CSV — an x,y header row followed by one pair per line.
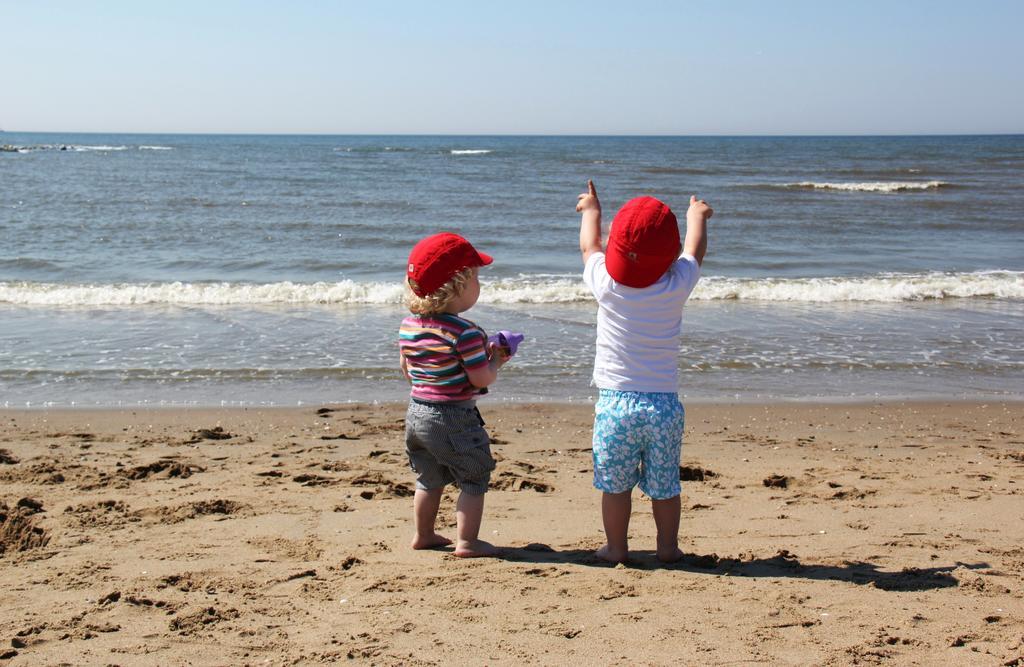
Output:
x,y
695,474
39,473
177,514
386,457
383,486
309,479
202,619
851,493
163,469
100,513
18,529
618,591
510,481
215,433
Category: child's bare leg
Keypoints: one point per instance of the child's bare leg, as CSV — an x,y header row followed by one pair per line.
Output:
x,y
469,512
425,505
615,510
666,518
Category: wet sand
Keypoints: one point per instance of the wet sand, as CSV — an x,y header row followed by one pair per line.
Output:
x,y
814,534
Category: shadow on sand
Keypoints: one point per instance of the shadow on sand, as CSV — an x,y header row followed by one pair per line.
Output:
x,y
782,564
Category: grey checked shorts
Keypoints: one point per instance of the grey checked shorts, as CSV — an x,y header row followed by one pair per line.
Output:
x,y
448,444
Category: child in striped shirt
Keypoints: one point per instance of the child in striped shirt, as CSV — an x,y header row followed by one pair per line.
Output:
x,y
448,362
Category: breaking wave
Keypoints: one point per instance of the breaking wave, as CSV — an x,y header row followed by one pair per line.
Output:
x,y
545,289
876,186
84,149
73,148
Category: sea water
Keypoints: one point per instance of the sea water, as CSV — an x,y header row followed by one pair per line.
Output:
x,y
266,270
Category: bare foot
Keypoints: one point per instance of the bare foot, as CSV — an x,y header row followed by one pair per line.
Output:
x,y
475,549
606,553
671,556
430,541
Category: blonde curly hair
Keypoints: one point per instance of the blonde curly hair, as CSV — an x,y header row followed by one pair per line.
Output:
x,y
437,301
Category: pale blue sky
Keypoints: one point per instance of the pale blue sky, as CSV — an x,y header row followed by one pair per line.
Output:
x,y
628,67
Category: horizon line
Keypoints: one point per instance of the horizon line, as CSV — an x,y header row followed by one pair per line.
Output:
x,y
519,134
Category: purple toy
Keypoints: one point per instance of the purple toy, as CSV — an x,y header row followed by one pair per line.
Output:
x,y
509,340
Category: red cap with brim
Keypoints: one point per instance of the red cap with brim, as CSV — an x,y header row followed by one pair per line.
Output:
x,y
643,242
434,260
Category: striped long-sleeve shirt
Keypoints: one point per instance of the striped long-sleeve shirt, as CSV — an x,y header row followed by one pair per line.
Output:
x,y
438,349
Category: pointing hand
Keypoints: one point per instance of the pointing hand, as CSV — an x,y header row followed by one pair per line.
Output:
x,y
699,208
588,201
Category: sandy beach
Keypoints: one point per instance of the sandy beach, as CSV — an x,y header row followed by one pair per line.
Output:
x,y
814,533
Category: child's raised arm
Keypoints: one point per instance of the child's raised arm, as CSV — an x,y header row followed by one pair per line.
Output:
x,y
696,241
590,224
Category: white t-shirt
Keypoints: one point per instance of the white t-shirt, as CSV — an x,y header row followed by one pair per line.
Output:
x,y
638,328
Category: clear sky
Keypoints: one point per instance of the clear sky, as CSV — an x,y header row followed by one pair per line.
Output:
x,y
437,67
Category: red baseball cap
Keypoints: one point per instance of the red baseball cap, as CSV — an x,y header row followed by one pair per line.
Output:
x,y
434,260
643,242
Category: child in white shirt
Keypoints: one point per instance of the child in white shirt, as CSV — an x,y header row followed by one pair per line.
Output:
x,y
641,283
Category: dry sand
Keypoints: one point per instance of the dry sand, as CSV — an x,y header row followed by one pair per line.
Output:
x,y
892,533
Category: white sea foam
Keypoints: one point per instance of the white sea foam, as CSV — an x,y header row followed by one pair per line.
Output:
x,y
156,148
877,186
374,149
470,151
67,147
83,149
892,287
202,294
535,289
526,289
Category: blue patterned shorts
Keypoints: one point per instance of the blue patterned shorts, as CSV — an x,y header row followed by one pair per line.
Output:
x,y
637,438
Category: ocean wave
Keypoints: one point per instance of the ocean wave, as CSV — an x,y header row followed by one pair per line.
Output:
x,y
156,148
198,294
172,375
369,369
470,151
553,289
83,149
13,148
374,149
877,186
59,147
889,287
